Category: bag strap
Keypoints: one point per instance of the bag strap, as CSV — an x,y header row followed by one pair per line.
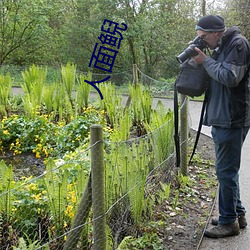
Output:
x,y
176,126
199,127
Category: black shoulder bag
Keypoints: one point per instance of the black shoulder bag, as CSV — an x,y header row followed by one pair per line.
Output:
x,y
191,81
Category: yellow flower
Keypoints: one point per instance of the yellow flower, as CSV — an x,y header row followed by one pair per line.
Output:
x,y
45,151
17,152
103,112
37,196
31,187
69,211
14,209
6,132
73,199
38,156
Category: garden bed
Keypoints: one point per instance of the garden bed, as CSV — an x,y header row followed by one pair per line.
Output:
x,y
178,221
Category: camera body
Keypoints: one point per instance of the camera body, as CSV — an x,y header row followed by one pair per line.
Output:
x,y
190,51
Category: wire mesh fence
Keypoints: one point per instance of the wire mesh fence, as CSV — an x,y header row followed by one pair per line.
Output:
x,y
55,210
42,210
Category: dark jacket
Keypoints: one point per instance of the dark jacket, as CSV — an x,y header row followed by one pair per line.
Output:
x,y
229,90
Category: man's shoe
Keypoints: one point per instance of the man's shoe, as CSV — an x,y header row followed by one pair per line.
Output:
x,y
241,219
221,231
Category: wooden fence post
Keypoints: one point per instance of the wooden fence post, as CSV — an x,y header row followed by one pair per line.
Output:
x,y
135,74
98,194
80,218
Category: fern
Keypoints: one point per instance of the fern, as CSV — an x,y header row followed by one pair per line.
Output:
x,y
161,126
56,184
111,103
83,91
33,86
5,90
6,184
68,74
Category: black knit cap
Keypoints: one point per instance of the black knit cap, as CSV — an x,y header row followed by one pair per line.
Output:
x,y
210,23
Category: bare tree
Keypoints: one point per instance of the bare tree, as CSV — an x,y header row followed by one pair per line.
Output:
x,y
19,23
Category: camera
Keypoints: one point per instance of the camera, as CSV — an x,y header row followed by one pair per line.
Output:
x,y
190,51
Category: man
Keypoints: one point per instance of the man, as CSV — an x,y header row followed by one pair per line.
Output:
x,y
228,112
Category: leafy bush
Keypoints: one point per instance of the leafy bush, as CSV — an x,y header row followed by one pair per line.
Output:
x,y
44,138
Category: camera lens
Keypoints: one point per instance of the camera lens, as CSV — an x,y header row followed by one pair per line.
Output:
x,y
190,51
187,53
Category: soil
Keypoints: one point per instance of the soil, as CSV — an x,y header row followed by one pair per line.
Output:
x,y
25,164
186,223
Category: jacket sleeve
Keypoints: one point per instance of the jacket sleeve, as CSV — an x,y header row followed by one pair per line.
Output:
x,y
234,66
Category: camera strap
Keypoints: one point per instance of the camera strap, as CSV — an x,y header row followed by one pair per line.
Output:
x,y
176,126
199,127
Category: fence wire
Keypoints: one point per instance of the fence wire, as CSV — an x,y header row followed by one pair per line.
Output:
x,y
43,210
161,87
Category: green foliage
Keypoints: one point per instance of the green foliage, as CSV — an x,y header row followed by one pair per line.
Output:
x,y
147,241
33,85
184,181
30,245
123,124
63,101
128,161
141,104
164,191
23,25
126,172
43,137
6,184
48,98
30,206
83,91
43,32
111,103
68,74
57,188
161,126
5,90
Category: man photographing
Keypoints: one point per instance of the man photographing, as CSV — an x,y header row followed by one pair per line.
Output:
x,y
228,112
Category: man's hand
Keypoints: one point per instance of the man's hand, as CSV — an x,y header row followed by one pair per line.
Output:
x,y
200,58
